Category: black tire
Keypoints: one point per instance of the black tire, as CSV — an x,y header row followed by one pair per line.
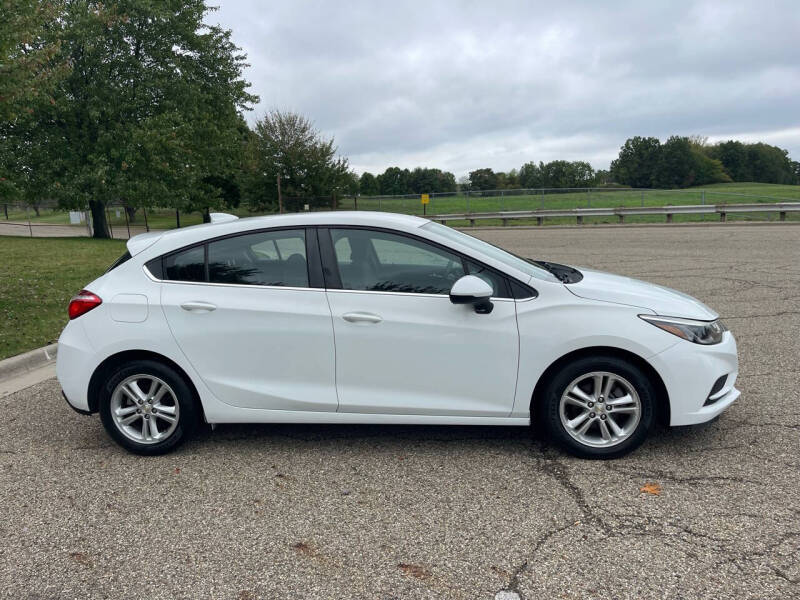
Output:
x,y
188,413
557,386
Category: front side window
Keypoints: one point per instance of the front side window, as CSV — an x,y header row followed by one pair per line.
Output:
x,y
386,262
265,258
497,282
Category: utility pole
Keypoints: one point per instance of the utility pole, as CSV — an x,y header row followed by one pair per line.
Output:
x,y
280,198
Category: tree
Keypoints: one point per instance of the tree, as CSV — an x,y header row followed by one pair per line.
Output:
x,y
530,175
29,66
286,144
368,184
683,163
637,161
424,180
582,174
769,164
150,109
734,159
394,181
446,182
482,179
29,70
602,177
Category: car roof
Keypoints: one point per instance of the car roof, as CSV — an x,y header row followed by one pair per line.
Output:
x,y
177,238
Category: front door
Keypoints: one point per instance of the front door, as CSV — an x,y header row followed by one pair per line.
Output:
x,y
249,322
401,346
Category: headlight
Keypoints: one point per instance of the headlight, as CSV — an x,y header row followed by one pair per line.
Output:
x,y
699,332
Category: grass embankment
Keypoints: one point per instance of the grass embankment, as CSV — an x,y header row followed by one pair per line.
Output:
x,y
37,279
723,193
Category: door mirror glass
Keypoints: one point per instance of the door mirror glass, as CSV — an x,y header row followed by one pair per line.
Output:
x,y
472,290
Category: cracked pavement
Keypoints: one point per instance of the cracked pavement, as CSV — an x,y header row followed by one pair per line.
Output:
x,y
441,512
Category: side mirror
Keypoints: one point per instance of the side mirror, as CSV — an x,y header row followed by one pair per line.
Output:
x,y
472,290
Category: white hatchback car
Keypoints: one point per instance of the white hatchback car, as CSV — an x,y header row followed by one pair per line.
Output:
x,y
366,317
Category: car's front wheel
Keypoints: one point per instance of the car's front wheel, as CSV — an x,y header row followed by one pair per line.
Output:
x,y
599,407
147,408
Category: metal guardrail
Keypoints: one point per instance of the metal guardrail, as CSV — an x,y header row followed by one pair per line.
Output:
x,y
621,212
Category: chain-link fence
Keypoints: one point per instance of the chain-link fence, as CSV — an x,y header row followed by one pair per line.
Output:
x,y
491,201
47,219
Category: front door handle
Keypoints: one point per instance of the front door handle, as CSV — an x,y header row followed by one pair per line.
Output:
x,y
198,306
361,317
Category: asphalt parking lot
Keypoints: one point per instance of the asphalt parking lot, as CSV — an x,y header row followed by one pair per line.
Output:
x,y
441,512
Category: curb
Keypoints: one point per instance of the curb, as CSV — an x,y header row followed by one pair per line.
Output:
x,y
29,361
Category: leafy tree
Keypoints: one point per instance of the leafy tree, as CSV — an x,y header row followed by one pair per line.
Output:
x,y
769,164
602,177
583,174
286,144
29,65
483,179
424,180
368,184
733,156
683,163
636,164
530,175
508,181
394,181
29,70
150,109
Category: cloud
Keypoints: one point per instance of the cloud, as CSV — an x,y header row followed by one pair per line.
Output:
x,y
462,85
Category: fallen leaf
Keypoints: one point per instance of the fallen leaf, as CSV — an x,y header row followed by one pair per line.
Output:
x,y
80,557
306,549
414,570
177,471
653,489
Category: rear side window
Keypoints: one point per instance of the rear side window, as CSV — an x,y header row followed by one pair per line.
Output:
x,y
276,258
124,258
188,265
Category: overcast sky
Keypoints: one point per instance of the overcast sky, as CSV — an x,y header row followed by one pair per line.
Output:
x,y
464,85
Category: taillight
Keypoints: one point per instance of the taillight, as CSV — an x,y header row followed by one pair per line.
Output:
x,y
83,302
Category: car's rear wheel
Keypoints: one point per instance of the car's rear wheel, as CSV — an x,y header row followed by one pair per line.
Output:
x,y
599,407
147,408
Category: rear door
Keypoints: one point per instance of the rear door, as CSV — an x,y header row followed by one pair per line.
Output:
x,y
401,346
250,313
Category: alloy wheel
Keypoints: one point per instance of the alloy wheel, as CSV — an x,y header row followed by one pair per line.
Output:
x,y
600,409
145,409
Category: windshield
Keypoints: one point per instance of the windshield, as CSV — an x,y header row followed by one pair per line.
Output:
x,y
489,250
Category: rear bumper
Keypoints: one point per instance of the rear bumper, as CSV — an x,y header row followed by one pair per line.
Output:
x,y
689,372
75,365
77,410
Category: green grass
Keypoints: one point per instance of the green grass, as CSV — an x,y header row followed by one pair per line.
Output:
x,y
37,278
551,199
724,193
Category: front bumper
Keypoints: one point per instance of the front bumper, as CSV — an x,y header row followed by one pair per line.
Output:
x,y
689,372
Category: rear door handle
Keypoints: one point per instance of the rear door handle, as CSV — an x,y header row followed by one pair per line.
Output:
x,y
198,306
361,317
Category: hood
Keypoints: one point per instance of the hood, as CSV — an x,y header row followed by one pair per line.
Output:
x,y
597,285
